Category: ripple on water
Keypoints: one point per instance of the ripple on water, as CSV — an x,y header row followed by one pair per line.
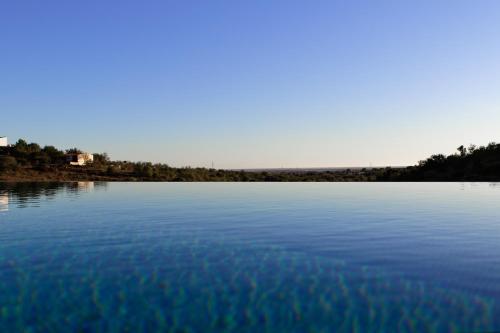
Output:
x,y
181,286
246,258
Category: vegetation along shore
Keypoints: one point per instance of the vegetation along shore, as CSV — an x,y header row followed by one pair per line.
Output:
x,y
24,161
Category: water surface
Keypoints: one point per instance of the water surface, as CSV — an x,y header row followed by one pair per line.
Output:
x,y
246,257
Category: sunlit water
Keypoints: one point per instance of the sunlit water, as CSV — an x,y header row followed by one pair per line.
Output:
x,y
250,257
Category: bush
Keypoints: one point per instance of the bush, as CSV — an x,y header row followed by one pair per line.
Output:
x,y
7,163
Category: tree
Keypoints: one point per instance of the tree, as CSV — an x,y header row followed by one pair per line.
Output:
x,y
462,150
73,151
7,163
101,159
143,169
148,171
41,159
34,148
56,156
21,145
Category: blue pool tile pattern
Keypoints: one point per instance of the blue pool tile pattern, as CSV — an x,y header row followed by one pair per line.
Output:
x,y
249,257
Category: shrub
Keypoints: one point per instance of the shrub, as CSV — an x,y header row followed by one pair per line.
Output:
x,y
7,163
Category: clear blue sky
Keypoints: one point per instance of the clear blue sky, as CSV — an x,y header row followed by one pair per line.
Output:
x,y
252,83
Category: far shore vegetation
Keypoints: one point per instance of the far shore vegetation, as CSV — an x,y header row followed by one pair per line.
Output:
x,y
25,161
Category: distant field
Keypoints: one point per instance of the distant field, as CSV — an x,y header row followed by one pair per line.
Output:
x,y
300,170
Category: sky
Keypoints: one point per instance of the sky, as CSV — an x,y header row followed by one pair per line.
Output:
x,y
252,84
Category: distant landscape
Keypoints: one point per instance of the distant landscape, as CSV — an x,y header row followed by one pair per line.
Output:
x,y
25,161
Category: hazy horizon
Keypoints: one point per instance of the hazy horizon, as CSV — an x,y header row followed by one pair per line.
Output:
x,y
252,85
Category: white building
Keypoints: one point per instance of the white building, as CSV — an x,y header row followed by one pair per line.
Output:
x,y
3,141
80,159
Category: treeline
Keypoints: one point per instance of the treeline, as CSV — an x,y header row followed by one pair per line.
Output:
x,y
30,161
31,155
468,164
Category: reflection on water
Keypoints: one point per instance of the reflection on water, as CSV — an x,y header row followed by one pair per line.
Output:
x,y
25,194
86,186
4,201
250,257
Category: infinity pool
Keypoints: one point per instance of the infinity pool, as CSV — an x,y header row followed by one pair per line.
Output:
x,y
249,257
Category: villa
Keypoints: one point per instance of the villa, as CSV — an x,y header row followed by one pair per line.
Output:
x,y
80,159
3,141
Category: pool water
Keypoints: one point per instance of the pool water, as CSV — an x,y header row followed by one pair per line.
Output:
x,y
249,257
